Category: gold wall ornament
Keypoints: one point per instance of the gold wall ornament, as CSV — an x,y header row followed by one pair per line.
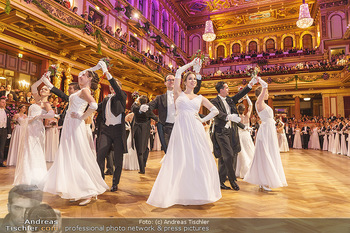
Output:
x,y
97,93
68,80
57,79
2,28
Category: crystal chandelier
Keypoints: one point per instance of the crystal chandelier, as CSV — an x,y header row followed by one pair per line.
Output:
x,y
209,34
305,19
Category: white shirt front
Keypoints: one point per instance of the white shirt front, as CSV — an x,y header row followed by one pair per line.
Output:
x,y
228,111
170,118
3,118
110,118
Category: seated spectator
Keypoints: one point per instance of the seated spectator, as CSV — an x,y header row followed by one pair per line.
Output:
x,y
109,30
118,32
85,15
91,16
98,23
66,3
75,10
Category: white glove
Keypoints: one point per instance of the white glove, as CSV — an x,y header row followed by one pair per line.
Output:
x,y
263,83
234,117
82,73
248,128
103,66
183,68
252,82
249,101
144,108
8,136
197,65
46,81
96,67
213,112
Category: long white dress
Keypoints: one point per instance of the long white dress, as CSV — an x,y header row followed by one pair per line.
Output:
x,y
325,141
245,156
31,163
130,161
188,175
52,140
343,147
283,142
297,140
15,142
266,168
315,139
75,173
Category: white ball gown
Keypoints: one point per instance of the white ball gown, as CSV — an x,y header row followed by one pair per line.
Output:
x,y
31,163
75,173
315,139
52,140
245,156
15,142
297,140
130,161
266,168
282,141
188,175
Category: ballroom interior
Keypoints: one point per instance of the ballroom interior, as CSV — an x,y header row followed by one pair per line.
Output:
x,y
303,51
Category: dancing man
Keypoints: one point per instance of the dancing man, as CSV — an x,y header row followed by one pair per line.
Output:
x,y
225,138
166,107
113,130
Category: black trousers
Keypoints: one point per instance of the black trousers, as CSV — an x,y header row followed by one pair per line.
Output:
x,y
164,132
228,160
305,140
111,135
3,139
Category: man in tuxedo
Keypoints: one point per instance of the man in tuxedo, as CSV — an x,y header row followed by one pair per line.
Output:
x,y
305,137
28,97
166,109
5,129
141,131
225,137
288,131
8,91
112,129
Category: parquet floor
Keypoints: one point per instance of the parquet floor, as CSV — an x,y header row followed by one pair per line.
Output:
x,y
318,186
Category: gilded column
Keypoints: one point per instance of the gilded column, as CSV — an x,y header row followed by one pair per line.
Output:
x,y
297,106
97,93
228,49
279,44
69,78
58,76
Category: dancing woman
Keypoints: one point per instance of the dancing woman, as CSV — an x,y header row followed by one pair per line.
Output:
x,y
75,173
188,175
245,156
266,169
19,118
31,162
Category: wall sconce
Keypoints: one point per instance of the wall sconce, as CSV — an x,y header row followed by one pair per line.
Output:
x,y
20,55
97,8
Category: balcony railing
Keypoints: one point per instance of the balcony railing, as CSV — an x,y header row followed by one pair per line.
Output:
x,y
71,20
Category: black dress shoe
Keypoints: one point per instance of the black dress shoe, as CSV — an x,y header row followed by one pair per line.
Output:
x,y
142,172
223,186
2,165
234,185
108,172
114,188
